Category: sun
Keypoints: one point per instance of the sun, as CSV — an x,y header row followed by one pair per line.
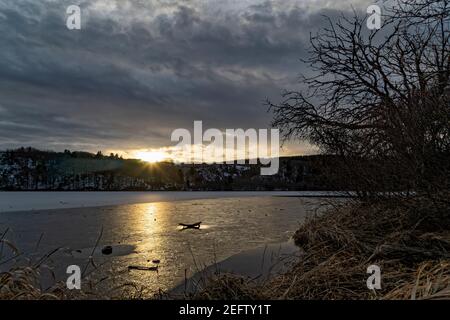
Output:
x,y
151,156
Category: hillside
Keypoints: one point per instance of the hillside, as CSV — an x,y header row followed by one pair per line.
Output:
x,y
27,169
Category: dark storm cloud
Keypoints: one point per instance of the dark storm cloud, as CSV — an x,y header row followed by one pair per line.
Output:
x,y
139,69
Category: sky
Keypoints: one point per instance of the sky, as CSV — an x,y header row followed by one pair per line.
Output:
x,y
137,70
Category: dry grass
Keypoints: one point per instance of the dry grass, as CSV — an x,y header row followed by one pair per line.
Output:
x,y
229,287
409,240
23,283
431,282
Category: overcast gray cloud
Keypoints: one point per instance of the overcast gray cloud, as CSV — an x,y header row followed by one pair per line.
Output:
x,y
139,69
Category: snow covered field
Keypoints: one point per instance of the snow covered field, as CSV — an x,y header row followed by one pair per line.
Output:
x,y
26,201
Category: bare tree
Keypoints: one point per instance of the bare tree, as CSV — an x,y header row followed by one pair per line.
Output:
x,y
379,99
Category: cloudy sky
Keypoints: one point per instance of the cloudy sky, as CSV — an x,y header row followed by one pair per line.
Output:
x,y
138,69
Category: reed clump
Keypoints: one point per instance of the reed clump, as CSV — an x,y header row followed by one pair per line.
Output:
x,y
22,283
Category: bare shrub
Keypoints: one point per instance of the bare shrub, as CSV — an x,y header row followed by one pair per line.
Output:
x,y
379,100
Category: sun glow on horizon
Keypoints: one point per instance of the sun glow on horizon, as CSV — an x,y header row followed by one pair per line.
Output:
x,y
152,156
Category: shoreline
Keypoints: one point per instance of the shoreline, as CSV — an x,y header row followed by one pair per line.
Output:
x,y
258,264
20,201
408,240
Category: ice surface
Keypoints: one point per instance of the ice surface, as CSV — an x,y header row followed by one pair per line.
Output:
x,y
26,201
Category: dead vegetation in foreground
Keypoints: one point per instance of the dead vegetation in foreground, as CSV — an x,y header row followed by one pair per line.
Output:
x,y
408,239
23,283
